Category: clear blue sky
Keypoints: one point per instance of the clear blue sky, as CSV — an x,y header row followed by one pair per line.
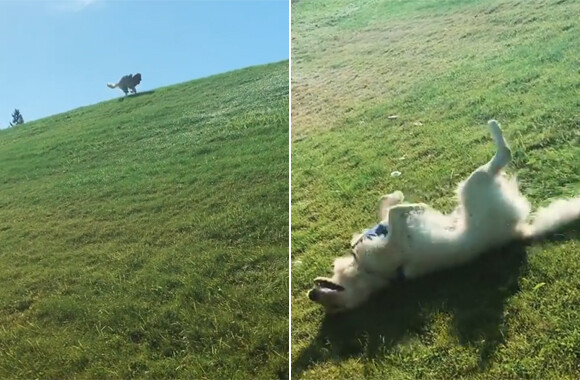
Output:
x,y
58,55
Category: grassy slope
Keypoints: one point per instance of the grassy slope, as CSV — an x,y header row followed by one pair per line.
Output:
x,y
147,236
445,68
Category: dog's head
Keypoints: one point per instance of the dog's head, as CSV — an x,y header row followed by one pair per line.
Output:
x,y
353,281
345,290
371,265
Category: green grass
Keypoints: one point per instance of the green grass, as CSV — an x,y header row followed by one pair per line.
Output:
x,y
146,236
444,68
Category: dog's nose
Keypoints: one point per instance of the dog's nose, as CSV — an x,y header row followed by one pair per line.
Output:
x,y
313,295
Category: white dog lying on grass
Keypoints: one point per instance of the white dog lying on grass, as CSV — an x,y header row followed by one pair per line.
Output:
x,y
414,239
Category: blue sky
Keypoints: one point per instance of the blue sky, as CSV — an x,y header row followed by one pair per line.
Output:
x,y
58,55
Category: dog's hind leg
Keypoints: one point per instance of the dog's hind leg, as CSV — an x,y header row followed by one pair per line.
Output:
x,y
503,155
478,195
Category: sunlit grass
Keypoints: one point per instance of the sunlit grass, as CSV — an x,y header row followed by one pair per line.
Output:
x,y
146,237
443,68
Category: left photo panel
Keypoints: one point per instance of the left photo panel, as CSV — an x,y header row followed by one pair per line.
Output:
x,y
144,196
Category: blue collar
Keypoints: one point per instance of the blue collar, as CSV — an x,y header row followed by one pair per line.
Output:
x,y
378,231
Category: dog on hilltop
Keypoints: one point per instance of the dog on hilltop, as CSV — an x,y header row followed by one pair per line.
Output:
x,y
414,239
127,83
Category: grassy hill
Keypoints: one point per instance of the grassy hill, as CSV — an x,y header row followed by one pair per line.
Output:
x,y
146,236
441,69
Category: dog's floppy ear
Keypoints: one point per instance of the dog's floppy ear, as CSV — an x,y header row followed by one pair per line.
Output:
x,y
355,239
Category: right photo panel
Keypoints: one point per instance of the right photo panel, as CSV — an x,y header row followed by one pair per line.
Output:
x,y
435,189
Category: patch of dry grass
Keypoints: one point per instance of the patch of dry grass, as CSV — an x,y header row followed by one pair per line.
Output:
x,y
338,70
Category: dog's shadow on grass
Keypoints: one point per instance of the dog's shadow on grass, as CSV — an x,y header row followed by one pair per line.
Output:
x,y
130,96
474,295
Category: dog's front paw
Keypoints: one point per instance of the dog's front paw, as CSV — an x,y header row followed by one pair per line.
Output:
x,y
403,211
390,200
393,198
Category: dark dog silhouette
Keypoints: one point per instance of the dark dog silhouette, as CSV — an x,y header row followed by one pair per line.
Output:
x,y
127,83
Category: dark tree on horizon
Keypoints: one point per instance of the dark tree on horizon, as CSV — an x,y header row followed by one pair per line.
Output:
x,y
16,118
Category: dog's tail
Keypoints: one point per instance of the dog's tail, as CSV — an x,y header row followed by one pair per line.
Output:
x,y
554,216
503,155
112,85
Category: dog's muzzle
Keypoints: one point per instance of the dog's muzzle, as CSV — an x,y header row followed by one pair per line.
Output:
x,y
313,295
